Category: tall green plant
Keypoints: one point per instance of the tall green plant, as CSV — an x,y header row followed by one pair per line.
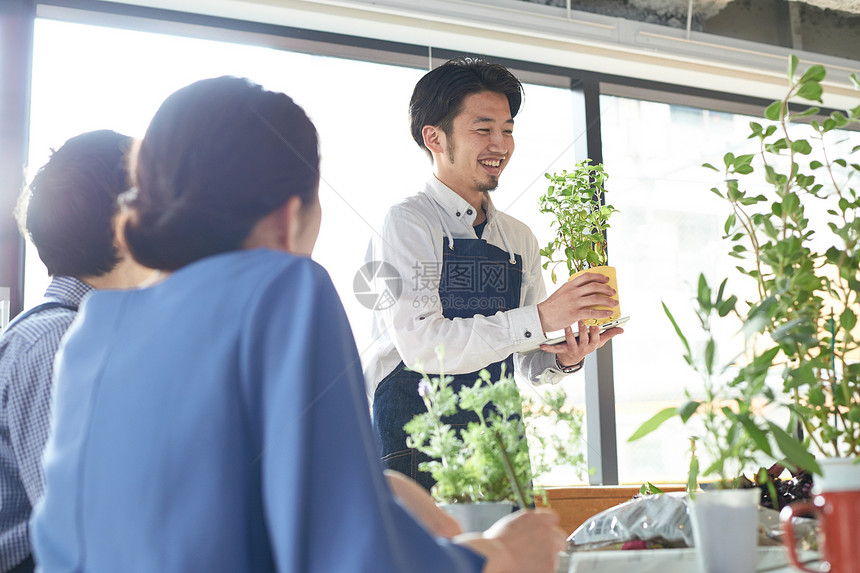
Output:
x,y
576,201
732,433
800,325
807,277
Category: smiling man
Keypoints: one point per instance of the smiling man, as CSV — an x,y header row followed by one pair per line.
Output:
x,y
471,273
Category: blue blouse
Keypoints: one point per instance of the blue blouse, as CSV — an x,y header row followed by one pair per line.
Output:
x,y
218,422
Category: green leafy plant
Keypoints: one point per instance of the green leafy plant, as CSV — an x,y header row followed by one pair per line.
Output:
x,y
489,459
733,432
649,488
580,217
799,326
807,275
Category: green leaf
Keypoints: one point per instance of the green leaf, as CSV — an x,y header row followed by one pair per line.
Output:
x,y
815,73
801,146
677,328
848,319
710,348
744,159
693,476
649,488
653,423
811,91
756,434
709,166
704,293
807,112
813,165
688,409
728,159
794,450
726,306
730,222
773,110
816,396
792,66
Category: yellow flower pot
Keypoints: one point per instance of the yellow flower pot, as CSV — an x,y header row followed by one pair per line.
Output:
x,y
613,282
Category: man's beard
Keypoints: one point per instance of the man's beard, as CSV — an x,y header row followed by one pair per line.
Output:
x,y
487,186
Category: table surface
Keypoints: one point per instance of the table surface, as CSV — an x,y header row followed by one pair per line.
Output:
x,y
770,560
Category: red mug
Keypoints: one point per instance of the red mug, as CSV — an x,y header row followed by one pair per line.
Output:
x,y
837,505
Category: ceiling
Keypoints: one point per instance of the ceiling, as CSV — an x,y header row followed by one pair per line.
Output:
x,y
709,8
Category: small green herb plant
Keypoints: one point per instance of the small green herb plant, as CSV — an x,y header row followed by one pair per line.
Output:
x,y
576,201
489,459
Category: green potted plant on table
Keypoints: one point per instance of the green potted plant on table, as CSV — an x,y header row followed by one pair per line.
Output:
x,y
797,238
484,469
576,200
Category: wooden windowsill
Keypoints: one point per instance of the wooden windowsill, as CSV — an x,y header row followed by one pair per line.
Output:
x,y
576,504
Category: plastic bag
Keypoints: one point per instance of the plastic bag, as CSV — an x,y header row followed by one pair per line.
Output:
x,y
661,520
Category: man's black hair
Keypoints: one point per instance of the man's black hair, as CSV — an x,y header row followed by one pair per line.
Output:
x,y
438,97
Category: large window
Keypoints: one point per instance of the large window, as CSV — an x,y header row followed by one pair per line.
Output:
x,y
89,77
667,231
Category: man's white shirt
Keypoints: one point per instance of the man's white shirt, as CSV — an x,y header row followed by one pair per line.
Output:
x,y
413,326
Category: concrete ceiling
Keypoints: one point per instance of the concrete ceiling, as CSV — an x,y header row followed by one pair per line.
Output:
x,y
708,8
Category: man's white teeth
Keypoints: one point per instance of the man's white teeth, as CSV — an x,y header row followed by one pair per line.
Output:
x,y
491,163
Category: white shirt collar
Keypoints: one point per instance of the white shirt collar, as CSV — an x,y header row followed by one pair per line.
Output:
x,y
454,204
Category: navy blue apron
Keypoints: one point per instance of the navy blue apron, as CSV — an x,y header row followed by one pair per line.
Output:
x,y
477,279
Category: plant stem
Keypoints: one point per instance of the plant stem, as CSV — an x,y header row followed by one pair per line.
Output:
x,y
509,469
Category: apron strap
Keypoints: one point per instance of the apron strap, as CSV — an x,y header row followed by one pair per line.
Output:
x,y
46,305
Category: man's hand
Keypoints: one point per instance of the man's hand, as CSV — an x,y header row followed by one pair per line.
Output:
x,y
574,301
574,349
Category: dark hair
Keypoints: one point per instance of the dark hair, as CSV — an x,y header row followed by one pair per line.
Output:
x,y
218,156
438,97
69,208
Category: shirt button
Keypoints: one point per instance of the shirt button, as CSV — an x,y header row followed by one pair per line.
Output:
x,y
458,213
469,212
528,334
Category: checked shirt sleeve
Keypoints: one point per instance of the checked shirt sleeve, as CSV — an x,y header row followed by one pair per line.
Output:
x,y
30,411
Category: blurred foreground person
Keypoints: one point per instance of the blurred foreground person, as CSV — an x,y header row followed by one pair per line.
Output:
x,y
216,421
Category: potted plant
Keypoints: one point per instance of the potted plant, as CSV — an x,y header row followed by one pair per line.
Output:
x,y
797,241
799,245
732,432
576,200
486,468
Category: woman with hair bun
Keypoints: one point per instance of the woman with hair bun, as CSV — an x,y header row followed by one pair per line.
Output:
x,y
216,420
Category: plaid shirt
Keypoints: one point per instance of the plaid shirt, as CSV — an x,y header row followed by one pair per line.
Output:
x,y
26,364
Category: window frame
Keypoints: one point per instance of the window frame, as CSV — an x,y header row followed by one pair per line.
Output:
x,y
587,87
